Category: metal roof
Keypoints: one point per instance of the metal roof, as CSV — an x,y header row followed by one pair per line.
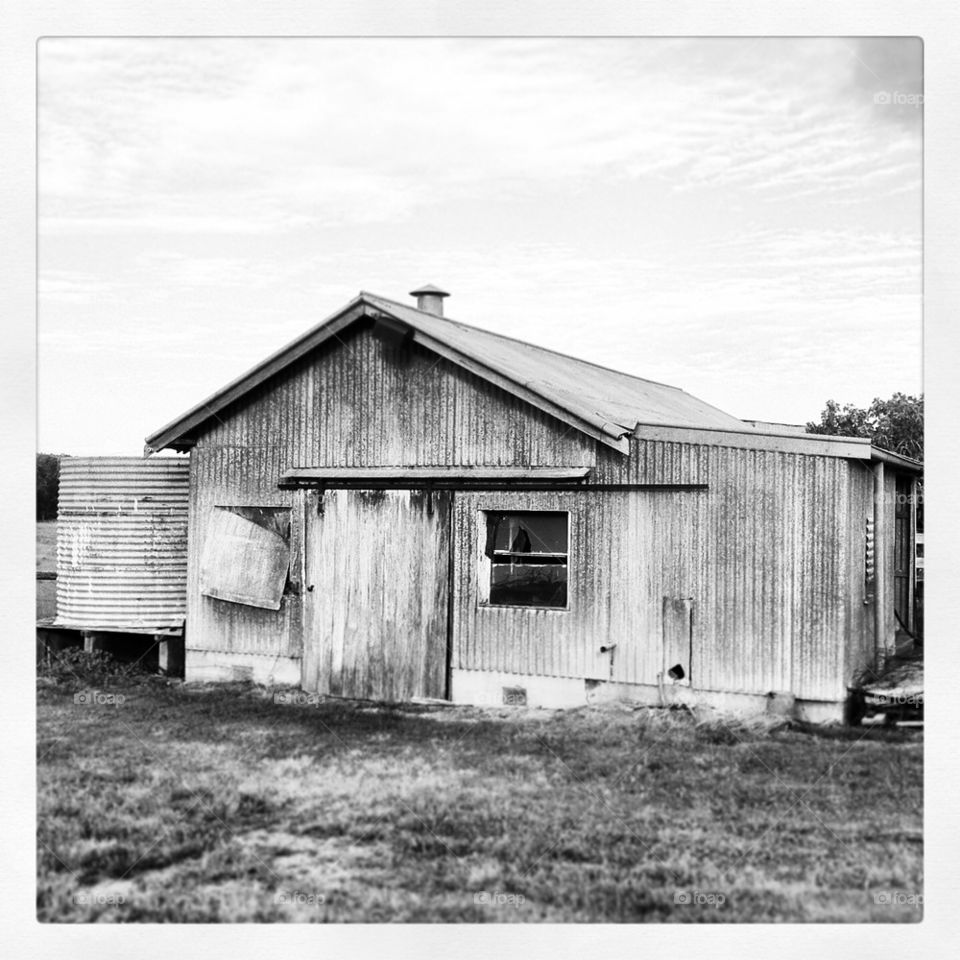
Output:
x,y
612,401
603,403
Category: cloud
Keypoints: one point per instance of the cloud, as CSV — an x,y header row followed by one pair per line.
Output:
x,y
262,136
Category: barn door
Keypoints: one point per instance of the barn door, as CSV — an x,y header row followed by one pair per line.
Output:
x,y
376,601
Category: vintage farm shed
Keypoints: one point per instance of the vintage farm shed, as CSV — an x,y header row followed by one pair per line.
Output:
x,y
397,505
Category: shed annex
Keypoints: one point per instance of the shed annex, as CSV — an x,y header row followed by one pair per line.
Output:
x,y
397,506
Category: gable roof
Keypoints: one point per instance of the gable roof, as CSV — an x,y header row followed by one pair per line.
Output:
x,y
602,403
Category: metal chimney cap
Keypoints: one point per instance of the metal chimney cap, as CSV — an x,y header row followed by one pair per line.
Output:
x,y
429,289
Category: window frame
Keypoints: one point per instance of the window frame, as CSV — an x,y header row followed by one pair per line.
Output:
x,y
485,564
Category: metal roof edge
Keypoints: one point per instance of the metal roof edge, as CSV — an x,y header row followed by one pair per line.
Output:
x,y
895,459
276,361
856,448
785,434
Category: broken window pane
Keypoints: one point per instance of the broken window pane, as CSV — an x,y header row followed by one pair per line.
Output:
x,y
528,558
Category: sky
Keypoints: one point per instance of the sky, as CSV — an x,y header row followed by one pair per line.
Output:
x,y
741,218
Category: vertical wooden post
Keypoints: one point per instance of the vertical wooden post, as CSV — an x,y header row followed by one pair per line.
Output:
x,y
880,566
170,654
92,641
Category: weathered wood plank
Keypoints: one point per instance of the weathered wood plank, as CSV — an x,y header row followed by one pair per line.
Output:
x,y
377,615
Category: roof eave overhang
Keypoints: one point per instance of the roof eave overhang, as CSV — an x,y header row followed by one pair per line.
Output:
x,y
853,448
896,460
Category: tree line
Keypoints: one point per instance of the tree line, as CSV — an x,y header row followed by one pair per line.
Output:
x,y
48,485
895,424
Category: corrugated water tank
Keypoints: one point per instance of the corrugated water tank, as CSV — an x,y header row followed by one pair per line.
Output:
x,y
122,543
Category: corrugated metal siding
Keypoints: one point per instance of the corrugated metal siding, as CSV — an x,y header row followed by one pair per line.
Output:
x,y
611,588
654,461
122,543
762,553
364,402
238,475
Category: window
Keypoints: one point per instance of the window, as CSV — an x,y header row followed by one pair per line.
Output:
x,y
246,555
524,561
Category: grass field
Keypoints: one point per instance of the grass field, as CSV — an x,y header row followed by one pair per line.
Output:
x,y
164,802
47,545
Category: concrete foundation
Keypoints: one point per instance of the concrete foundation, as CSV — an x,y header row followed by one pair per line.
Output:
x,y
492,689
482,688
214,666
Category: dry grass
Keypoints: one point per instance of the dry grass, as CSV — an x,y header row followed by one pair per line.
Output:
x,y
202,803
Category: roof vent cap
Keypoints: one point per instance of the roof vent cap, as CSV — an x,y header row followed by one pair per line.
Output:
x,y
430,299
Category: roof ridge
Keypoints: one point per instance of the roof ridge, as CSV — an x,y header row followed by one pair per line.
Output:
x,y
527,343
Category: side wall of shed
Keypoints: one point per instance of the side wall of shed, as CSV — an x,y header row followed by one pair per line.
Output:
x,y
763,552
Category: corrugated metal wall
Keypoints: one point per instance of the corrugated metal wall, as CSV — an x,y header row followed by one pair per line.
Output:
x,y
122,543
367,402
762,552
654,461
238,475
364,402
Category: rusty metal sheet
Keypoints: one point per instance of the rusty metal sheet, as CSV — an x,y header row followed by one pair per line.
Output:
x,y
243,561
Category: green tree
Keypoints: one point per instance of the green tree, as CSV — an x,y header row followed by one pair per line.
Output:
x,y
895,424
48,485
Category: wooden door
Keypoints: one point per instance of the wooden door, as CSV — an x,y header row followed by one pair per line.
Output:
x,y
377,593
903,553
